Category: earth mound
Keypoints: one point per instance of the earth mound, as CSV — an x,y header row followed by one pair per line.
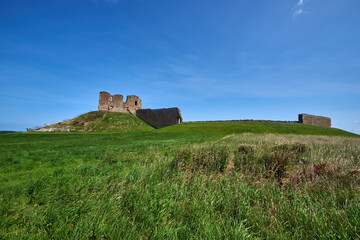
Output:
x,y
98,121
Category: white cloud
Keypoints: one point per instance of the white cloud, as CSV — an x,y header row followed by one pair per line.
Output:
x,y
356,121
298,9
298,12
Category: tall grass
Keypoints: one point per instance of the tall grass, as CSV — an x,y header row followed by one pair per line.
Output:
x,y
163,189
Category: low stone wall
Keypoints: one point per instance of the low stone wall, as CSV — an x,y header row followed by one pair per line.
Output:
x,y
159,118
314,120
243,120
53,130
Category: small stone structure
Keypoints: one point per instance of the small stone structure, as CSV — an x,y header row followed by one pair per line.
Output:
x,y
159,118
314,120
115,103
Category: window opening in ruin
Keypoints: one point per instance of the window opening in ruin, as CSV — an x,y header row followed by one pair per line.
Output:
x,y
111,98
111,107
178,120
135,103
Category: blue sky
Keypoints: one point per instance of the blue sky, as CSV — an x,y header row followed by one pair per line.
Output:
x,y
214,59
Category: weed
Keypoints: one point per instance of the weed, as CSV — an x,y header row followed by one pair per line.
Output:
x,y
276,164
320,169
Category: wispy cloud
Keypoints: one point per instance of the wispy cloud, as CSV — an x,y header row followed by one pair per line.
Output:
x,y
298,9
298,12
356,121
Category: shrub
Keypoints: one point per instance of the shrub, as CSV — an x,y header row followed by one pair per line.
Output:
x,y
276,164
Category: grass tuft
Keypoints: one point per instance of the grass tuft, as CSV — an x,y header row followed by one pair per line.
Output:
x,y
209,158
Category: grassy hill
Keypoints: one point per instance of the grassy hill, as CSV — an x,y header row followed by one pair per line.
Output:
x,y
119,122
188,181
103,122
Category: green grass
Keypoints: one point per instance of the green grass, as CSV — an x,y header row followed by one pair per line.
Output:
x,y
189,181
103,122
119,122
225,128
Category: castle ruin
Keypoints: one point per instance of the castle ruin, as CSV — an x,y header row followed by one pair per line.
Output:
x,y
115,103
158,118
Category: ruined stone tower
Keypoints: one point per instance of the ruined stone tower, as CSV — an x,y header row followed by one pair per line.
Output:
x,y
115,103
158,118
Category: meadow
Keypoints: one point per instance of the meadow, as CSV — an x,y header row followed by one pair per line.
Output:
x,y
189,181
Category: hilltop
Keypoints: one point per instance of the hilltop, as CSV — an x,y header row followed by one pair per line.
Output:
x,y
98,121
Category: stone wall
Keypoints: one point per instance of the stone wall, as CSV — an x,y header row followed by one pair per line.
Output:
x,y
104,101
164,117
242,120
314,120
159,118
115,103
132,103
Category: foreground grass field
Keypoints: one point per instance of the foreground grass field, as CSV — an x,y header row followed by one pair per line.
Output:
x,y
183,182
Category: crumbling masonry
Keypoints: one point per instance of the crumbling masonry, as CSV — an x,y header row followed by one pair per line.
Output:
x,y
158,118
115,103
164,117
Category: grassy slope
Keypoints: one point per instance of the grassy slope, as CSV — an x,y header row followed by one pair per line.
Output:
x,y
103,122
225,128
124,185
